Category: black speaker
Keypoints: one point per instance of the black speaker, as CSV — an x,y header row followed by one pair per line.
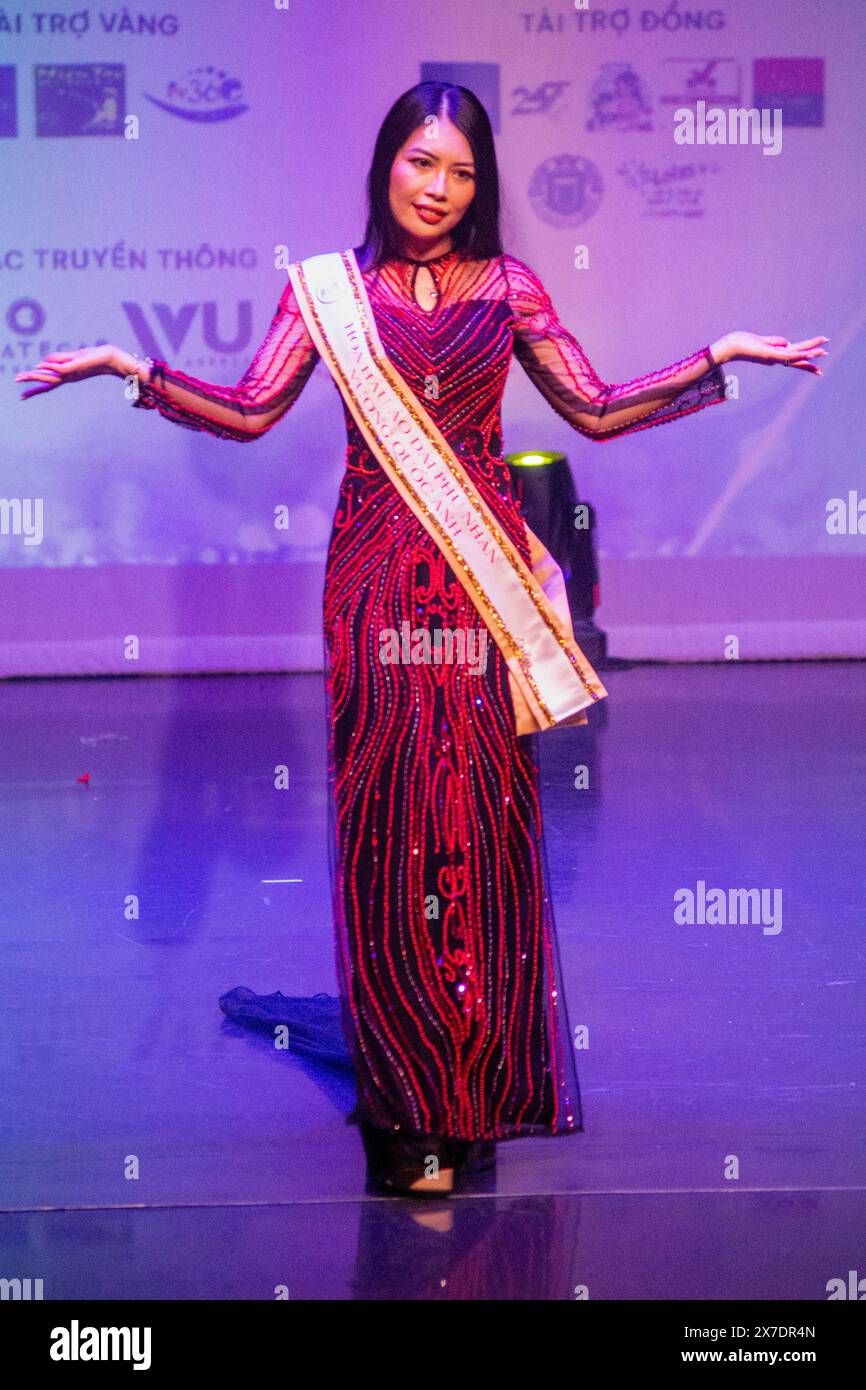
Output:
x,y
544,490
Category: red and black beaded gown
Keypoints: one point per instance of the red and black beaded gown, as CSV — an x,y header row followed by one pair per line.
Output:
x,y
446,949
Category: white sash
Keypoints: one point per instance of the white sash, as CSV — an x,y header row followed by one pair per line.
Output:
x,y
551,679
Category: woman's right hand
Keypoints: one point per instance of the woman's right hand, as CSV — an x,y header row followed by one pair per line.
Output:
x,y
60,367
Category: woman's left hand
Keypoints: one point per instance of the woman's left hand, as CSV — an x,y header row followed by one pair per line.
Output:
x,y
775,350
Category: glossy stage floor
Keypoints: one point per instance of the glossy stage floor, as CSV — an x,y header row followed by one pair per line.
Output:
x,y
151,1148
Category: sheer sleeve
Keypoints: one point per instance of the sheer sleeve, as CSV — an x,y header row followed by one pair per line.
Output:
x,y
268,388
557,364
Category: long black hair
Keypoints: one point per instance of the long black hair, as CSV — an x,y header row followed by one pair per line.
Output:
x,y
477,233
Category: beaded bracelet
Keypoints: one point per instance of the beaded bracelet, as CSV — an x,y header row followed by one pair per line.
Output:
x,y
138,394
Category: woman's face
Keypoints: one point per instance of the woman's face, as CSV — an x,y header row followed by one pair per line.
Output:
x,y
434,170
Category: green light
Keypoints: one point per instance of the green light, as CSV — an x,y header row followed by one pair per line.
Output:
x,y
532,459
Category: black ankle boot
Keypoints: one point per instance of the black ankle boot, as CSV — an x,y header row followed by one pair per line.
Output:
x,y
395,1161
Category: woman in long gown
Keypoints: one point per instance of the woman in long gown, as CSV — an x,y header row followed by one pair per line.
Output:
x,y
445,940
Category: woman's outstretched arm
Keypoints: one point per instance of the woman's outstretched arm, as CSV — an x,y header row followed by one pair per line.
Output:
x,y
559,367
268,388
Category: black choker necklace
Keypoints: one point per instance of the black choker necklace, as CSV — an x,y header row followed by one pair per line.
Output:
x,y
434,260
435,292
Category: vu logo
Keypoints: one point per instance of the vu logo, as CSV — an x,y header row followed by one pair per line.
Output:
x,y
172,327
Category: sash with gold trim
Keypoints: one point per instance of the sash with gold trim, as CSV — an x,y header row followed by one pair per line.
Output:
x,y
523,606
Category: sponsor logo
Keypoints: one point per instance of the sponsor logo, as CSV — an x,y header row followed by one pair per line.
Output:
x,y
8,103
204,94
172,328
690,80
671,189
619,100
533,103
795,86
80,98
566,190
